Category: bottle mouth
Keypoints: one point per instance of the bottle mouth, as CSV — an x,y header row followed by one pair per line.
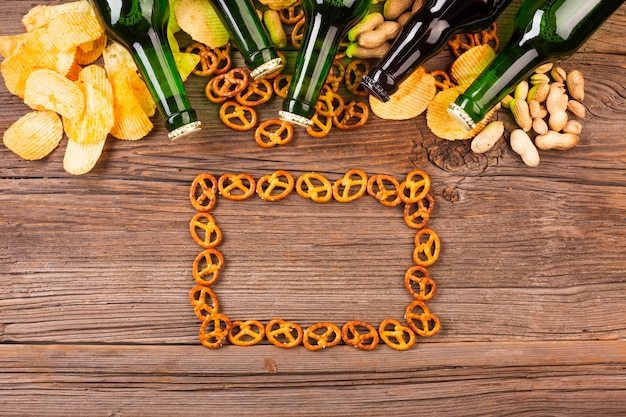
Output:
x,y
459,115
295,118
184,130
375,89
267,68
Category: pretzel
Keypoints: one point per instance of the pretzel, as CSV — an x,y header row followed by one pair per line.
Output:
x,y
223,59
359,334
321,335
238,117
281,84
421,320
273,132
210,93
204,301
460,43
343,187
377,188
419,284
399,337
214,330
202,193
236,187
355,115
283,334
256,92
329,103
292,14
207,265
297,33
427,247
442,79
488,36
355,71
415,187
320,127
204,231
230,83
246,333
341,51
314,186
337,72
279,180
416,215
207,65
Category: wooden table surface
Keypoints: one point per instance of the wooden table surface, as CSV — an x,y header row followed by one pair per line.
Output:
x,y
95,270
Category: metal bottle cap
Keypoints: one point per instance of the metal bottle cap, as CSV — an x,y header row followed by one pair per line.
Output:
x,y
461,117
184,130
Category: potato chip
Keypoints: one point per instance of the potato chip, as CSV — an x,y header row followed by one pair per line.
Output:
x,y
96,121
80,158
97,76
34,135
199,20
444,126
186,63
131,122
11,43
48,90
412,98
466,68
89,52
40,15
74,28
141,92
67,64
116,58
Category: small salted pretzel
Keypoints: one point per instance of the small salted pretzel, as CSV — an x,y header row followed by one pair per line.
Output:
x,y
395,335
237,187
292,14
329,103
421,320
231,83
344,188
488,36
223,59
281,85
275,186
355,71
320,127
427,247
321,335
203,192
341,51
359,334
384,188
210,93
273,132
442,79
208,59
256,92
337,72
283,334
204,301
419,284
416,215
415,187
297,33
314,186
461,42
204,231
238,117
246,333
355,115
214,330
207,265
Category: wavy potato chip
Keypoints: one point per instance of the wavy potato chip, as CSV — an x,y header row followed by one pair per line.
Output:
x,y
142,94
89,52
96,121
48,90
412,98
117,58
11,43
131,121
198,19
97,76
80,158
34,135
466,68
444,126
74,28
41,15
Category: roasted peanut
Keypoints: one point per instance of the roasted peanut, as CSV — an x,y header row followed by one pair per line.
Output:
x,y
573,126
540,126
521,90
394,8
417,6
556,140
557,99
539,92
536,79
521,113
354,50
537,110
369,22
382,33
557,120
488,137
275,30
558,74
577,108
542,69
524,147
576,85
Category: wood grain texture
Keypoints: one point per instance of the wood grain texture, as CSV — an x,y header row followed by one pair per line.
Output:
x,y
95,270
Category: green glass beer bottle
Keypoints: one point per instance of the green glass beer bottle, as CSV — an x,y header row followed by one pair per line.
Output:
x,y
249,36
327,22
141,27
544,31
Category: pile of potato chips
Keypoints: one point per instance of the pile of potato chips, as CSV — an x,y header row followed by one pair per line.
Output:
x,y
52,67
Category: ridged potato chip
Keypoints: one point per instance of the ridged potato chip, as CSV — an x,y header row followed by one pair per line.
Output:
x,y
97,76
74,28
116,58
141,92
41,15
466,68
440,122
412,98
89,52
80,158
96,121
11,43
34,135
48,90
131,121
198,19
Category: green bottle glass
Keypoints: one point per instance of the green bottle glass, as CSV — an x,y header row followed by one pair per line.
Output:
x,y
544,31
327,22
141,27
249,36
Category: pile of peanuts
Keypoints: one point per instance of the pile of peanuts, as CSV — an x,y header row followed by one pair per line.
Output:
x,y
547,106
